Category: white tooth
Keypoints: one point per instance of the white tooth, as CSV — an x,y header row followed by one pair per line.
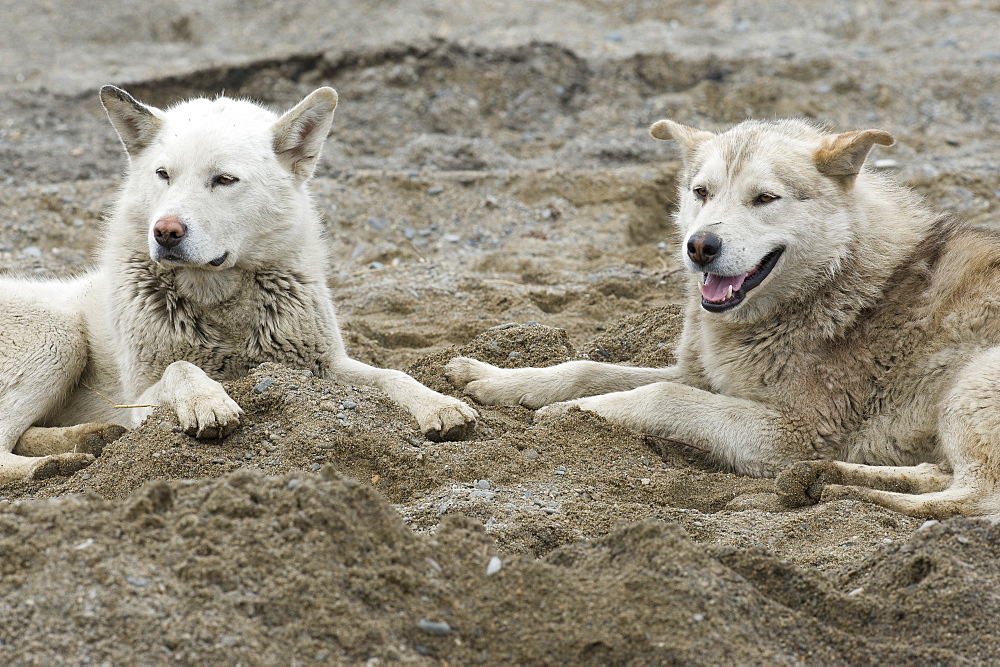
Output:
x,y
729,293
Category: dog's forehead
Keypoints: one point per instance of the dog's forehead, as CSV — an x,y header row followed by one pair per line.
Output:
x,y
219,125
757,150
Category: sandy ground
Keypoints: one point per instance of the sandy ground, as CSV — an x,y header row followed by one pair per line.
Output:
x,y
489,189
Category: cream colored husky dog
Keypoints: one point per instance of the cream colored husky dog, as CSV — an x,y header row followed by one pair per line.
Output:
x,y
212,262
832,320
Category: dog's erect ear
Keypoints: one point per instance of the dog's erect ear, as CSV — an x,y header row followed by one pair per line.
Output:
x,y
300,133
688,137
135,122
843,154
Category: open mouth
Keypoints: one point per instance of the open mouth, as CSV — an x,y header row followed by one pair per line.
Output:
x,y
720,293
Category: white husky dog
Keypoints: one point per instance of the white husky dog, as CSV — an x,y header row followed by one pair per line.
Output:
x,y
212,262
831,320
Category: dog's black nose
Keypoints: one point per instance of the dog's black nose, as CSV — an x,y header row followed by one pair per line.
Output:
x,y
703,247
169,230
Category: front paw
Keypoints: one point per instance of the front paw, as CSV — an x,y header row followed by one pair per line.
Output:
x,y
490,385
451,420
208,416
475,378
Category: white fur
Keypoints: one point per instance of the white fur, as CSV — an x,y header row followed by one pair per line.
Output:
x,y
163,325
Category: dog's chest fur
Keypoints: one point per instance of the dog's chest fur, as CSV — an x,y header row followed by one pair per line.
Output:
x,y
271,315
880,380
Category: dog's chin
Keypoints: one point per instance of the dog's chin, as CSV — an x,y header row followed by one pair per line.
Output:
x,y
723,293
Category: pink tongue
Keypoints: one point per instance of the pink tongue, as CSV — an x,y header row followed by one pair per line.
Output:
x,y
716,288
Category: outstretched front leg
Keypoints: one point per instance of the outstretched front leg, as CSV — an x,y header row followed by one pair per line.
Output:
x,y
440,417
535,387
741,435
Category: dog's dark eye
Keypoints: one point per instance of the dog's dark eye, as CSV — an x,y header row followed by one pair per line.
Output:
x,y
162,173
224,179
701,192
766,198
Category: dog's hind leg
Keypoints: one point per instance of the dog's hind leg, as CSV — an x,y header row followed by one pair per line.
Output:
x,y
439,417
536,387
969,435
42,355
803,483
81,438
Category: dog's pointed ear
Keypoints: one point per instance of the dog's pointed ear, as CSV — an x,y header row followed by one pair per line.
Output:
x,y
688,137
135,122
842,155
300,133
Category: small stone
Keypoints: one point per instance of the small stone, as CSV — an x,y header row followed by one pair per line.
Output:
x,y
560,470
927,524
436,628
961,539
483,484
435,190
493,566
32,251
138,582
531,454
263,385
513,355
698,618
315,467
376,265
348,405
